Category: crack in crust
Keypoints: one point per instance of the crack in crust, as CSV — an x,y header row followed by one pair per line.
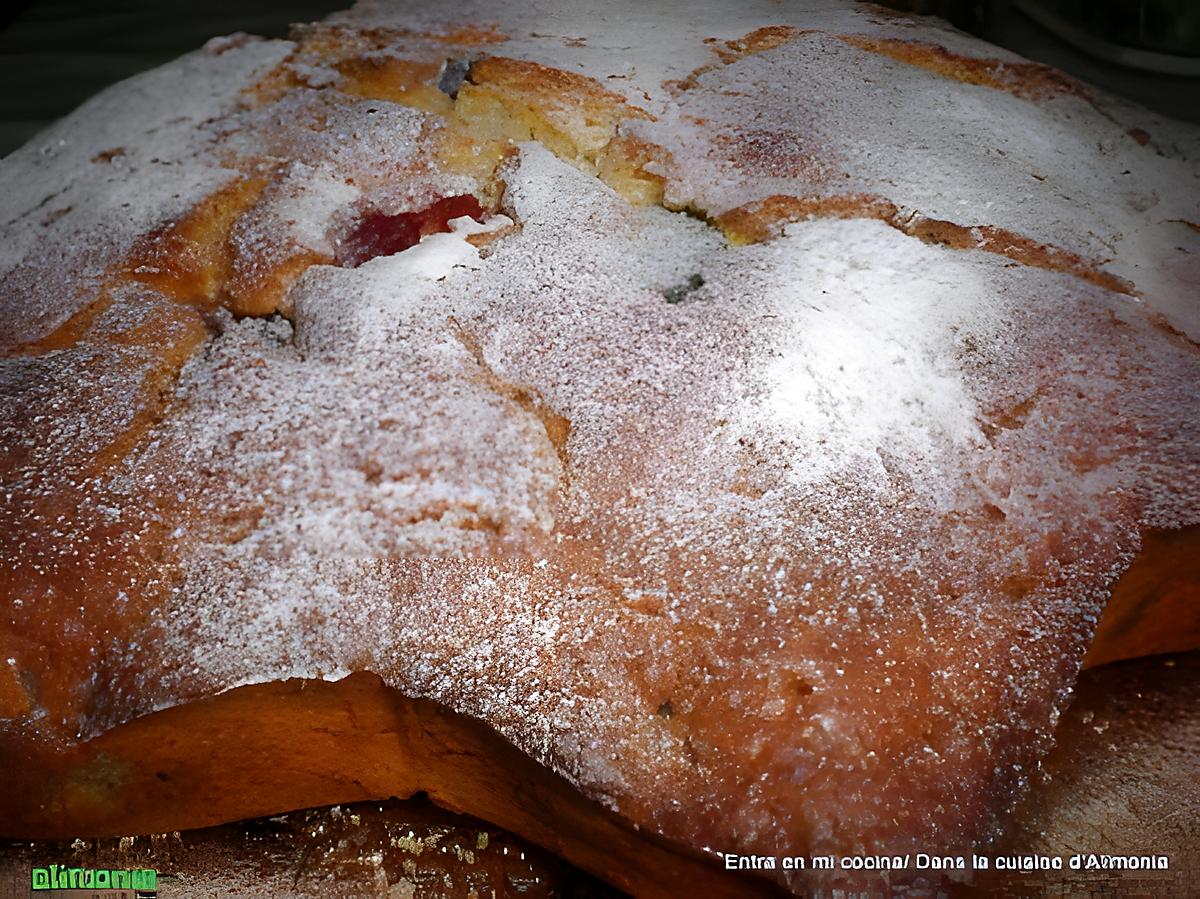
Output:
x,y
556,427
528,101
763,220
728,52
505,101
1027,80
188,260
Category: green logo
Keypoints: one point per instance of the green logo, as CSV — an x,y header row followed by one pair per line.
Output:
x,y
60,877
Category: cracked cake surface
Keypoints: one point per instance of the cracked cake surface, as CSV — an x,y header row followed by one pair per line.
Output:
x,y
747,419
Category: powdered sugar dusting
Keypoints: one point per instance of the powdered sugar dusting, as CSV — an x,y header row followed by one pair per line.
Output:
x,y
790,547
72,206
1000,159
933,146
749,511
863,360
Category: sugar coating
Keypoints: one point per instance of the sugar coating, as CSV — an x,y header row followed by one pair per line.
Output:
x,y
135,155
790,547
734,524
339,156
1001,159
937,148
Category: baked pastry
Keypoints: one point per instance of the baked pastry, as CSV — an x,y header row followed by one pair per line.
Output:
x,y
1134,793
738,422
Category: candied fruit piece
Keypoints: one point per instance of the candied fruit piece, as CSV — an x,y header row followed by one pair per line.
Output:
x,y
381,234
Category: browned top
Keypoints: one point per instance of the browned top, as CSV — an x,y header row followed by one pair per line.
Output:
x,y
782,526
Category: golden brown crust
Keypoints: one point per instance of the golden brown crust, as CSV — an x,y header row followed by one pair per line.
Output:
x,y
764,219
770,535
1028,80
1153,605
202,764
760,39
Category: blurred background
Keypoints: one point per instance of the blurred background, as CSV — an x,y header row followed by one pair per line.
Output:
x,y
1146,50
56,53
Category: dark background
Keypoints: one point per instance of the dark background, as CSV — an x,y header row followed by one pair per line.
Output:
x,y
54,54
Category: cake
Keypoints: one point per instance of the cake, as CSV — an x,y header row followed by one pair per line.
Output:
x,y
717,434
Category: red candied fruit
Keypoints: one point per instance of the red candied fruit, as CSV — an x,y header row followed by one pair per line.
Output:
x,y
380,234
